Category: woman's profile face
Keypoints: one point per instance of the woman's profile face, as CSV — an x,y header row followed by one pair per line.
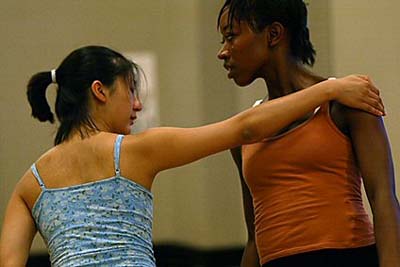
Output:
x,y
123,107
243,51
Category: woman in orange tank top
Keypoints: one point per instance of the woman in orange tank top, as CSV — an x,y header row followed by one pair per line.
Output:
x,y
302,188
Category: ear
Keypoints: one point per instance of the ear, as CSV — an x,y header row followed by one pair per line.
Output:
x,y
275,33
98,90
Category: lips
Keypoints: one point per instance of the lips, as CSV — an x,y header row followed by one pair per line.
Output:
x,y
229,68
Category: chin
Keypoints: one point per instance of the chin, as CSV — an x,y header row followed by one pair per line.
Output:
x,y
242,83
126,131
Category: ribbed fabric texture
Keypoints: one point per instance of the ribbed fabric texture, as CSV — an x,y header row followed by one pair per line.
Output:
x,y
306,190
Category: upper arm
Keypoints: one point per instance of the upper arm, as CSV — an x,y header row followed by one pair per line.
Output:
x,y
167,147
372,150
374,158
246,195
17,232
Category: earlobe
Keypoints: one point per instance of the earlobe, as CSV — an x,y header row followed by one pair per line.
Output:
x,y
98,91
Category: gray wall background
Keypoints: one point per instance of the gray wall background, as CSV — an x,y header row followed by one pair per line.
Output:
x,y
199,204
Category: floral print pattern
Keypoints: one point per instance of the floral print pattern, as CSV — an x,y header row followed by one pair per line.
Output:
x,y
103,223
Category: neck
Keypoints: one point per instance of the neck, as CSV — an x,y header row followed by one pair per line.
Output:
x,y
287,76
82,133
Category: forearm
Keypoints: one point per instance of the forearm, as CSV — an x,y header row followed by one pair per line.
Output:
x,y
12,256
387,230
250,255
6,262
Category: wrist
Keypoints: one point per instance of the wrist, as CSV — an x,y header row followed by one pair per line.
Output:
x,y
331,91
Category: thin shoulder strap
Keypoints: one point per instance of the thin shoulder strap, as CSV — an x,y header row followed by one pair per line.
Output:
x,y
37,176
117,153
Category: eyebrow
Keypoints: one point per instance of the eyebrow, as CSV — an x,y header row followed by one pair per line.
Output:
x,y
227,26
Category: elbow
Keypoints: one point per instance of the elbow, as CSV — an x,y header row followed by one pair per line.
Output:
x,y
251,135
248,136
383,201
251,235
251,238
255,128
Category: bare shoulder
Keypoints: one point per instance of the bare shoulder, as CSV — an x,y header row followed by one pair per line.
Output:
x,y
349,119
28,188
359,118
137,156
152,139
138,145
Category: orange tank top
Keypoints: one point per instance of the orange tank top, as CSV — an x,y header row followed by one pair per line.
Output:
x,y
306,191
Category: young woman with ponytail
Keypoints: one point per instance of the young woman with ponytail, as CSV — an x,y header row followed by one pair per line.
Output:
x,y
302,187
90,195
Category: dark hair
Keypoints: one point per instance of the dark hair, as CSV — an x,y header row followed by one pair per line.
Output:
x,y
74,77
292,14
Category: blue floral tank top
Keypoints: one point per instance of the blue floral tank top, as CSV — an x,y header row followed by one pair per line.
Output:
x,y
102,223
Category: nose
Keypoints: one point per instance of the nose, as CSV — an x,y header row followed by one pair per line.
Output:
x,y
137,104
223,53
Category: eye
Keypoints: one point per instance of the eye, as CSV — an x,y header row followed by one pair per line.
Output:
x,y
228,37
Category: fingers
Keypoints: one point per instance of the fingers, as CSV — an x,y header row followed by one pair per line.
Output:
x,y
374,100
367,79
370,108
374,111
375,106
381,106
364,77
375,96
366,97
374,89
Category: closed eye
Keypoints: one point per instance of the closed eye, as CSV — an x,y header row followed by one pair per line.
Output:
x,y
228,37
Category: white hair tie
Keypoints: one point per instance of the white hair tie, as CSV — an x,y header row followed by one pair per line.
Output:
x,y
53,76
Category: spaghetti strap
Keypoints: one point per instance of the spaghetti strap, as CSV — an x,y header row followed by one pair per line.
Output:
x,y
117,153
37,176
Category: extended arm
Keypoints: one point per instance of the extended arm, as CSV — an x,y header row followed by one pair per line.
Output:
x,y
372,149
250,255
171,147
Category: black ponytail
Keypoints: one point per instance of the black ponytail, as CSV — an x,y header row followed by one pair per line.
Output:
x,y
36,93
74,77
